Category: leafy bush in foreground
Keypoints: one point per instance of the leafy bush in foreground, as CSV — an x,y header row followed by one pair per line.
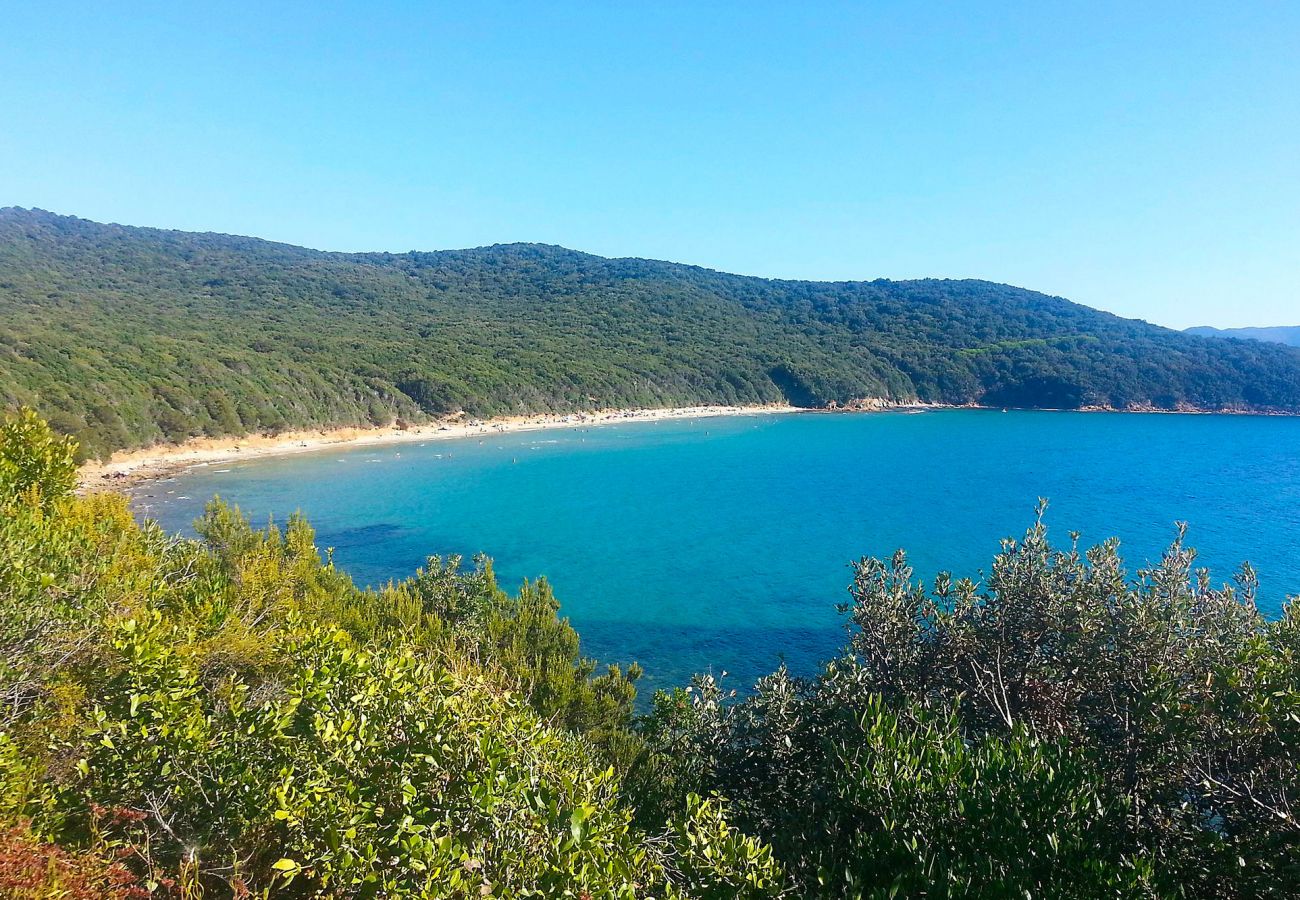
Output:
x,y
357,772
197,713
870,802
1062,731
34,458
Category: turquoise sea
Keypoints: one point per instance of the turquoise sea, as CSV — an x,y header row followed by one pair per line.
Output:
x,y
725,543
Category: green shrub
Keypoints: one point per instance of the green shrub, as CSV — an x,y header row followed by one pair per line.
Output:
x,y
234,715
382,775
1064,731
34,458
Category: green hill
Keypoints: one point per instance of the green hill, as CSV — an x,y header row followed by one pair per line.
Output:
x,y
129,336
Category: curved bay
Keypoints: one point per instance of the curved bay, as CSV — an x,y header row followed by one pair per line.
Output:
x,y
724,543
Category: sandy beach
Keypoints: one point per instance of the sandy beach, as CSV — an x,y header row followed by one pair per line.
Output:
x,y
127,468
130,467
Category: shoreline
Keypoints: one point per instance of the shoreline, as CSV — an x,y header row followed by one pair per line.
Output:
x,y
130,468
127,469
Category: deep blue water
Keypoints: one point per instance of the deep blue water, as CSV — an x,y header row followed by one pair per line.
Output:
x,y
725,543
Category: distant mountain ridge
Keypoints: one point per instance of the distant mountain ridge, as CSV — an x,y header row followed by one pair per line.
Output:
x,y
1277,334
128,336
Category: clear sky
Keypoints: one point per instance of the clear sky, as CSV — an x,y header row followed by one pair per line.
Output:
x,y
1138,157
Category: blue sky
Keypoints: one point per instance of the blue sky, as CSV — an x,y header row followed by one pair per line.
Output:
x,y
1142,158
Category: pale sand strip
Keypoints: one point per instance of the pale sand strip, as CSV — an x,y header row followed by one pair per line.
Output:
x,y
131,467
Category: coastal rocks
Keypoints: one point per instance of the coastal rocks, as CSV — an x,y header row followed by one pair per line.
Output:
x,y
1185,408
876,404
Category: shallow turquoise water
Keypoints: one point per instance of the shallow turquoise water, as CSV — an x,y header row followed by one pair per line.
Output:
x,y
724,543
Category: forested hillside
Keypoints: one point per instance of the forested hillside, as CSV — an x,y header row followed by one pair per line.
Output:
x,y
129,336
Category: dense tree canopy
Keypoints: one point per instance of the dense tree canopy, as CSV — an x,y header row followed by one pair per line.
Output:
x,y
128,336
